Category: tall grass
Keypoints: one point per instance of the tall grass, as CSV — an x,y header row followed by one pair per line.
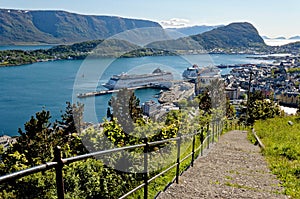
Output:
x,y
281,137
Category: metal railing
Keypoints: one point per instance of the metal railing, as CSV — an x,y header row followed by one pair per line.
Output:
x,y
59,162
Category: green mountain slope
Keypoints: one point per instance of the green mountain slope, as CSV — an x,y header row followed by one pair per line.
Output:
x,y
231,36
235,35
17,27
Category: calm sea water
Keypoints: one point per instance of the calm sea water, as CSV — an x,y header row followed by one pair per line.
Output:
x,y
27,89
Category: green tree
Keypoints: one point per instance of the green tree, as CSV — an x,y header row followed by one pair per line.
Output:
x,y
69,128
298,109
72,118
35,142
126,109
205,102
259,108
230,110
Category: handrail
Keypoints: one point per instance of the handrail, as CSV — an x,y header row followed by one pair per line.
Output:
x,y
59,162
26,172
98,153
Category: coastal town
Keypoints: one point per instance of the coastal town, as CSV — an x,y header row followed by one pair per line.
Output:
x,y
278,81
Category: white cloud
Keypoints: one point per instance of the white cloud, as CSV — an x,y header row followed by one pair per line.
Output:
x,y
175,22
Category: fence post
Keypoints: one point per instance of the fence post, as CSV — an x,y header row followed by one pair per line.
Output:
x,y
146,150
178,158
220,128
201,140
193,149
208,138
217,130
59,173
213,131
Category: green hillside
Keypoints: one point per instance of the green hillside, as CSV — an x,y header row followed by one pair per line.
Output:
x,y
281,139
235,35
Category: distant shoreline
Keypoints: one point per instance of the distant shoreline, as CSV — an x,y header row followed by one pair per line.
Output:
x,y
280,42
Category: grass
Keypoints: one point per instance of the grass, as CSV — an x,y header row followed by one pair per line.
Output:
x,y
282,150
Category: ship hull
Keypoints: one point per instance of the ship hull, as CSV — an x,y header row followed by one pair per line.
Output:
x,y
131,81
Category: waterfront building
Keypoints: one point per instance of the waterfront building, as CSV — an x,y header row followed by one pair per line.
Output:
x,y
149,108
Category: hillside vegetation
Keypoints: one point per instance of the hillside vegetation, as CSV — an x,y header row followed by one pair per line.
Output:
x,y
282,139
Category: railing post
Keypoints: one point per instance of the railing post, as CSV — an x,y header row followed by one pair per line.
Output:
x,y
178,158
59,173
208,138
193,149
213,131
220,128
217,130
146,150
201,140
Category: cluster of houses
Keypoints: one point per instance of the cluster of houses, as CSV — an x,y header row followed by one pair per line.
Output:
x,y
278,81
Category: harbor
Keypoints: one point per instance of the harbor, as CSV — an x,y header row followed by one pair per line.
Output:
x,y
157,79
105,92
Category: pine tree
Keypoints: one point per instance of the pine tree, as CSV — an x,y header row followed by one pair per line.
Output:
x,y
126,109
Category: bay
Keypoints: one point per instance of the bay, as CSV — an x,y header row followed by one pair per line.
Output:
x,y
27,89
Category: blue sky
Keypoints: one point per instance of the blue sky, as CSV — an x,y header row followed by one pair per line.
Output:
x,y
271,18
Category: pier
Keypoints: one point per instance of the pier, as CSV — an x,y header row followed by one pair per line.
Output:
x,y
157,86
104,92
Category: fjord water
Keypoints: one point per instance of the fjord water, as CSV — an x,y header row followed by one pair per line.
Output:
x,y
28,89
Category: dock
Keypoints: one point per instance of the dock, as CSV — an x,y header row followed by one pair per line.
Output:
x,y
105,92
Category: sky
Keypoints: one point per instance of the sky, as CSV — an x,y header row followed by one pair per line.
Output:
x,y
272,18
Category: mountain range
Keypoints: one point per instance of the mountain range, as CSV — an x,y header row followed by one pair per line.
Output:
x,y
57,27
283,38
194,30
60,27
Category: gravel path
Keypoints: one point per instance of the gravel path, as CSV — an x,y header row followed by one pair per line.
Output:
x,y
233,168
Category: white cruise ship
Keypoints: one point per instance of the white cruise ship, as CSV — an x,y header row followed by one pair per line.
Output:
x,y
156,78
191,73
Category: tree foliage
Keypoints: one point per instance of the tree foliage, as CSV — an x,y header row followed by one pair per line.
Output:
x,y
205,102
259,108
126,109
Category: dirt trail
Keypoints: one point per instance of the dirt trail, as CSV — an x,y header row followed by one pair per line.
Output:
x,y
233,168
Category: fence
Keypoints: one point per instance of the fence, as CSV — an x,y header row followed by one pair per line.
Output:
x,y
59,162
